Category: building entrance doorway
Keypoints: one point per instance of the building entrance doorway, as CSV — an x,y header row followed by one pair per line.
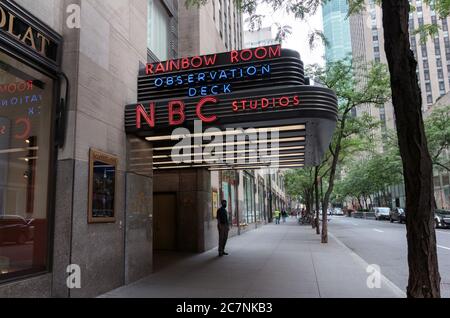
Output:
x,y
165,225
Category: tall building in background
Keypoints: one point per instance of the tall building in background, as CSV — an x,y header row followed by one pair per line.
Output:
x,y
337,30
212,28
261,37
433,59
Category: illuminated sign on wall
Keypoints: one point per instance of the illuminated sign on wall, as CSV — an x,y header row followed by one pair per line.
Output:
x,y
261,88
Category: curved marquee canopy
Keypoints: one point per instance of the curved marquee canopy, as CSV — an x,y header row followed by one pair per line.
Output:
x,y
244,109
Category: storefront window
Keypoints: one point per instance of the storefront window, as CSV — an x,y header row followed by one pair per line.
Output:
x,y
229,192
249,199
261,212
26,97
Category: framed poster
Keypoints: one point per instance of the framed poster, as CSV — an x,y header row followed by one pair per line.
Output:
x,y
215,203
102,187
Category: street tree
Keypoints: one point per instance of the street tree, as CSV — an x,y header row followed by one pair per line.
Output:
x,y
437,128
369,176
355,85
300,184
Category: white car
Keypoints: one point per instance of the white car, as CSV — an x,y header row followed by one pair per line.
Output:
x,y
382,213
338,211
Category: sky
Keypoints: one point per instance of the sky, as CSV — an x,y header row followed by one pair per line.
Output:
x,y
298,40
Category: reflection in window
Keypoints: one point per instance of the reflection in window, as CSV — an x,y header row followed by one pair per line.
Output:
x,y
26,98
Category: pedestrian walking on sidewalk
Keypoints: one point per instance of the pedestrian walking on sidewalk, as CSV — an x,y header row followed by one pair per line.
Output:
x,y
277,216
223,226
284,215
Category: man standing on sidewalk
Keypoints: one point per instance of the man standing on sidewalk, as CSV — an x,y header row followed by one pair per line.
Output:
x,y
224,227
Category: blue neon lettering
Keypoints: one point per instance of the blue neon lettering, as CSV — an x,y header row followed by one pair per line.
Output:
x,y
159,82
201,77
223,75
213,75
254,71
265,69
192,92
227,89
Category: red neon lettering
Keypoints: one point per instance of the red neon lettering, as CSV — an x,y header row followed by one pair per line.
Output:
x,y
149,119
185,63
149,69
174,65
275,51
210,60
27,128
235,106
264,103
264,51
196,62
249,55
200,106
284,101
296,100
234,57
160,68
179,111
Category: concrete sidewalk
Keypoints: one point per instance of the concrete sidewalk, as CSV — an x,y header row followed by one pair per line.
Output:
x,y
276,261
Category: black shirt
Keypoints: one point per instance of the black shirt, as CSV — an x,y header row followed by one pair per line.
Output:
x,y
222,216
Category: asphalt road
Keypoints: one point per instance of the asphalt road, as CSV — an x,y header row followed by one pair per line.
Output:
x,y
384,244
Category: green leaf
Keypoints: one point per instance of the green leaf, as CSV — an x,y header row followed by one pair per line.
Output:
x,y
425,31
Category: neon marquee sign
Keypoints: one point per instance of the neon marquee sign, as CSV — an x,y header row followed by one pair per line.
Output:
x,y
262,88
213,73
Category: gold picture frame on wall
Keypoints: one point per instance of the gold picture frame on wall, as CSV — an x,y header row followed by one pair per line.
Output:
x,y
102,187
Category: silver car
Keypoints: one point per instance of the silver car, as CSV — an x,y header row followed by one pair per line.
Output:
x,y
382,213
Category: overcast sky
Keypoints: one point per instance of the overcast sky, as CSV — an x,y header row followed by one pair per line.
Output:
x,y
300,29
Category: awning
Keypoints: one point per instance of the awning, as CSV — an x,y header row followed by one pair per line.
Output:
x,y
249,114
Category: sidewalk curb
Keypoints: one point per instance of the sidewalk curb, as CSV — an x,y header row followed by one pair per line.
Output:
x,y
395,289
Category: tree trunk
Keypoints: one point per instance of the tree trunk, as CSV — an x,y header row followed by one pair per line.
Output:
x,y
324,219
332,177
309,206
360,203
424,278
316,187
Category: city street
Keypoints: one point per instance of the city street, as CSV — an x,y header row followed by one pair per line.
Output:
x,y
384,244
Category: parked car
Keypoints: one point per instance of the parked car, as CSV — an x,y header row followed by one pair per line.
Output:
x,y
338,211
399,215
382,213
15,229
442,218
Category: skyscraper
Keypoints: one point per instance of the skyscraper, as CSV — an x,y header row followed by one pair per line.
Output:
x,y
337,30
433,57
212,28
